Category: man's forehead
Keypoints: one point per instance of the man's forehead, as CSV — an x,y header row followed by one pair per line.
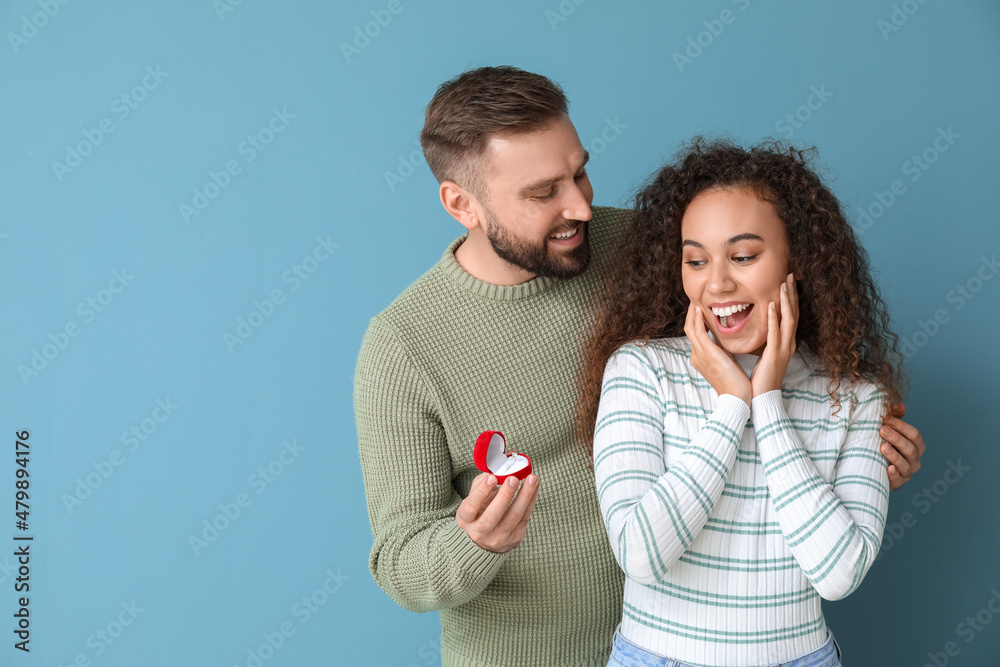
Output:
x,y
560,131
532,155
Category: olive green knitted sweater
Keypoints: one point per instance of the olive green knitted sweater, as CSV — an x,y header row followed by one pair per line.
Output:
x,y
451,357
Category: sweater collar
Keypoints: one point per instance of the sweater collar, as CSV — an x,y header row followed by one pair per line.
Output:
x,y
799,366
466,281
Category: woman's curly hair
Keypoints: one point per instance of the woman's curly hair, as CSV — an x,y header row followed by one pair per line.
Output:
x,y
842,318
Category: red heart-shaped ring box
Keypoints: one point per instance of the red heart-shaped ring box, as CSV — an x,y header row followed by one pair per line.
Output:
x,y
491,456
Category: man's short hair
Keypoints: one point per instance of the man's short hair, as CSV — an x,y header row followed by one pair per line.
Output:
x,y
476,105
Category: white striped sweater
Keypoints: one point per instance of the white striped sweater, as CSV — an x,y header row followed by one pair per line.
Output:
x,y
730,530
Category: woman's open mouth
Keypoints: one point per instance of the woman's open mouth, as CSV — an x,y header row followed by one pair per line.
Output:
x,y
730,319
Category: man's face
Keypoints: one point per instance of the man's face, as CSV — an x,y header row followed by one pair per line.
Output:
x,y
538,200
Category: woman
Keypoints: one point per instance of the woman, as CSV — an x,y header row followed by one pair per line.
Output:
x,y
747,363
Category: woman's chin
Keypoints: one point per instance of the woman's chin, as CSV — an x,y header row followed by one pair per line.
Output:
x,y
740,345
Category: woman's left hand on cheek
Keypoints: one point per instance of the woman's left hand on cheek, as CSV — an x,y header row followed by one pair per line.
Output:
x,y
770,368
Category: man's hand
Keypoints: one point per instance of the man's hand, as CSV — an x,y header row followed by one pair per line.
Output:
x,y
490,517
903,446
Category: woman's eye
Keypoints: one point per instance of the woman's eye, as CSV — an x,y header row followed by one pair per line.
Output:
x,y
695,263
744,259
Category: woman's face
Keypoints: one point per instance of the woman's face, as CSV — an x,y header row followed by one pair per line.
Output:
x,y
735,258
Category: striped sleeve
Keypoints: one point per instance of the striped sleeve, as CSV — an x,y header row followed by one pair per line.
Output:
x,y
833,530
652,512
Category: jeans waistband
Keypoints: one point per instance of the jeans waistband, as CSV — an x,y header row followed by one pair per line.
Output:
x,y
626,653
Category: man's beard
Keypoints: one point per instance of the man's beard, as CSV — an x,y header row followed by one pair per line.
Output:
x,y
536,259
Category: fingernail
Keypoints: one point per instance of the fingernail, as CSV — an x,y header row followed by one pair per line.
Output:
x,y
491,481
532,480
511,481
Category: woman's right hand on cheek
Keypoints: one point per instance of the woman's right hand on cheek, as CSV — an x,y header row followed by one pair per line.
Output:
x,y
714,363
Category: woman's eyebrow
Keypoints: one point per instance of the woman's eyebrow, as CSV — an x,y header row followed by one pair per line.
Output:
x,y
736,239
743,237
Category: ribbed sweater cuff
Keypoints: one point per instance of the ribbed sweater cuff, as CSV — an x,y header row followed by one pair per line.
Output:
x,y
472,560
732,411
768,406
771,422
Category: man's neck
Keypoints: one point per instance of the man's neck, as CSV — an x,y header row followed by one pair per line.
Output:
x,y
483,263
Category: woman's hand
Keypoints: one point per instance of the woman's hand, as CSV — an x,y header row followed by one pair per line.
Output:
x,y
770,369
714,363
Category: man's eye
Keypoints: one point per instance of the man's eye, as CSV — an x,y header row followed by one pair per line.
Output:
x,y
548,195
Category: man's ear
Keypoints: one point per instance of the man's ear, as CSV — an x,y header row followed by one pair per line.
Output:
x,y
460,204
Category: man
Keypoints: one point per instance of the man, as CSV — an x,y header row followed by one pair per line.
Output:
x,y
488,339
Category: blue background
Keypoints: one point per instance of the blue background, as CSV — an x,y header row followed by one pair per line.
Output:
x,y
338,192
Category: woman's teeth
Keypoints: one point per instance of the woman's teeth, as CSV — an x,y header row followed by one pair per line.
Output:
x,y
724,313
729,310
